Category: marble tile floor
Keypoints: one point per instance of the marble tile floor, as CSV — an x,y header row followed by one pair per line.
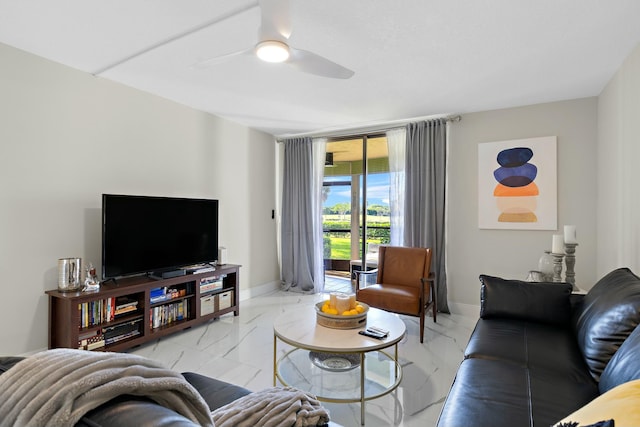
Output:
x,y
239,350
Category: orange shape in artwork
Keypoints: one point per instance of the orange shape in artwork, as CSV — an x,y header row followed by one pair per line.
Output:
x,y
518,217
530,189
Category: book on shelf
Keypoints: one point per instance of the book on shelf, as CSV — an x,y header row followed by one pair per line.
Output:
x,y
121,331
158,298
125,305
155,292
125,310
208,284
167,295
96,345
123,302
168,313
113,340
93,313
211,279
91,340
210,287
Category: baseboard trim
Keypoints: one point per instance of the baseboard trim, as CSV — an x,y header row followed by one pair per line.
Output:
x,y
464,309
255,291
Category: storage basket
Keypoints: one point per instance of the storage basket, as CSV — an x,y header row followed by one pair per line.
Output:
x,y
338,321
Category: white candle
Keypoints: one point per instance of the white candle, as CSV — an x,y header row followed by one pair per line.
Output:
x,y
558,244
333,299
352,301
342,303
570,234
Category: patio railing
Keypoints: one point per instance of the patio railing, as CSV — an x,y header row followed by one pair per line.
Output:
x,y
337,245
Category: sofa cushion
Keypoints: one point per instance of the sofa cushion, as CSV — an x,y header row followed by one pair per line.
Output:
x,y
528,344
610,312
502,394
624,366
534,301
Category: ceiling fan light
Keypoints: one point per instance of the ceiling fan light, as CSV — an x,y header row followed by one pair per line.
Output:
x,y
272,51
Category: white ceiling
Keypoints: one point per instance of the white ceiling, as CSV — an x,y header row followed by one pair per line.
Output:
x,y
411,58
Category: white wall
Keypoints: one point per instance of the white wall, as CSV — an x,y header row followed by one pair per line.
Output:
x,y
512,253
619,169
66,137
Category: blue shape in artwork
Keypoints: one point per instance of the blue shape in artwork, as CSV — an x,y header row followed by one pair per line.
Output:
x,y
516,177
513,157
516,181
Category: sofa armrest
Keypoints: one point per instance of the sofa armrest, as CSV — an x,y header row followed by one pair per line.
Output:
x,y
543,302
215,392
139,411
133,411
7,363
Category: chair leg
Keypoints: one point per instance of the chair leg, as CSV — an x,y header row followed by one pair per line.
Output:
x,y
432,294
422,326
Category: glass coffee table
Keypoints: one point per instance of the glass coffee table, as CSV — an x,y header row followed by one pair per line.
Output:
x,y
337,365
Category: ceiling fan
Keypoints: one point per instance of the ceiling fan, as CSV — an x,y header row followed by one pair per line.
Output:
x,y
272,46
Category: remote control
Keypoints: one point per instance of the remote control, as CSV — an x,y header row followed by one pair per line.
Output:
x,y
377,329
372,334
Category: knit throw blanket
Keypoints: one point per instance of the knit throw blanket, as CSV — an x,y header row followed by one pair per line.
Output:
x,y
58,387
273,407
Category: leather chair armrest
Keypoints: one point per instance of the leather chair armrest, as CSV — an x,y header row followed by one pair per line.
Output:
x,y
430,281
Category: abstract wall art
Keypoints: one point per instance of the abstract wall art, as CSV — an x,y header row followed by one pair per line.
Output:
x,y
517,184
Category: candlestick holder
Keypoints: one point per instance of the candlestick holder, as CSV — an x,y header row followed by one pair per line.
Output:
x,y
570,260
557,267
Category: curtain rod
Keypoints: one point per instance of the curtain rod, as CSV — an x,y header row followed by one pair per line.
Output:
x,y
360,131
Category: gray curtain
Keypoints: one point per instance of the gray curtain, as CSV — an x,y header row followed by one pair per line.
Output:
x,y
298,212
424,226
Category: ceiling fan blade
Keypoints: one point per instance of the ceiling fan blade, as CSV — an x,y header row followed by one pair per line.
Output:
x,y
276,20
206,63
311,63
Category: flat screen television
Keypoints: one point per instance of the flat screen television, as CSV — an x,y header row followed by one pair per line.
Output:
x,y
143,234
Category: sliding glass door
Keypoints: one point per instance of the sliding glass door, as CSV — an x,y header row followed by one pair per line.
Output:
x,y
356,212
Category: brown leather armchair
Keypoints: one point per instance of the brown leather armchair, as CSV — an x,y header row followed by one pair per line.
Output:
x,y
404,283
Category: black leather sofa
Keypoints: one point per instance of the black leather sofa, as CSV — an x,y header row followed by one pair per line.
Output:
x,y
132,411
538,352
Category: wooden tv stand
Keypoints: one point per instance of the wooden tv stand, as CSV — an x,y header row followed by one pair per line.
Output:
x,y
129,312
